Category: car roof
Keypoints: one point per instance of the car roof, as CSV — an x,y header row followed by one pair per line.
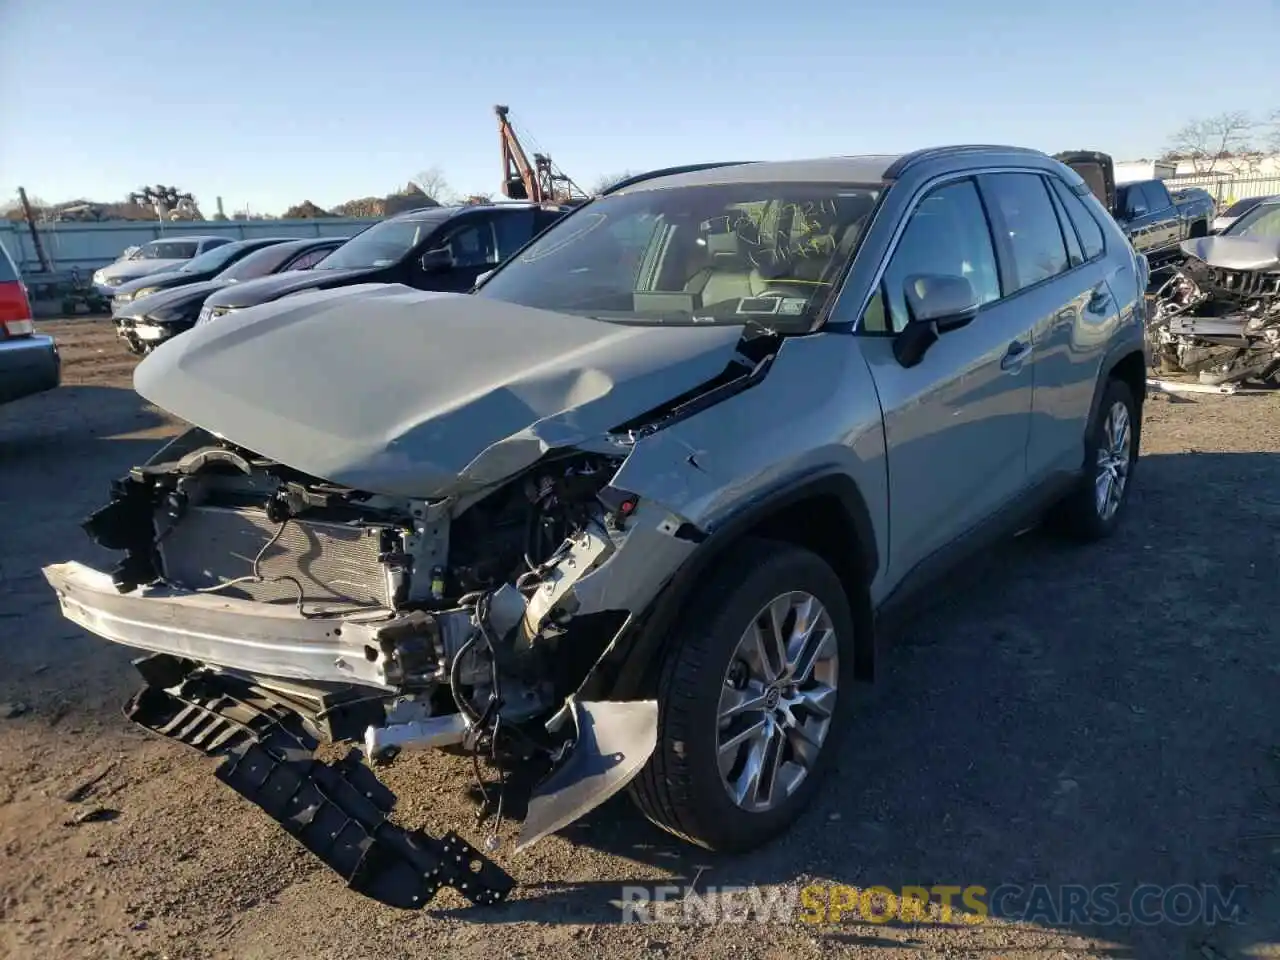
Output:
x,y
187,236
865,169
446,213
314,241
868,169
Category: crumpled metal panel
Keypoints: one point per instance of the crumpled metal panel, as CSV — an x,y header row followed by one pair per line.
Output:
x,y
405,393
1236,253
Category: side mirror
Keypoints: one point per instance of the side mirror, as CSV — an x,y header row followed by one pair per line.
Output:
x,y
936,304
436,261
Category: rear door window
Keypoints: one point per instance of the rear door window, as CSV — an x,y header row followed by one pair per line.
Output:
x,y
310,258
1087,228
1157,196
1026,228
513,228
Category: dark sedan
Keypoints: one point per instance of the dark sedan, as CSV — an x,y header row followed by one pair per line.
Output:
x,y
204,267
160,316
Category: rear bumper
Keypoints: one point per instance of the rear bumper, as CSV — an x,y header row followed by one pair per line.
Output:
x,y
267,640
28,365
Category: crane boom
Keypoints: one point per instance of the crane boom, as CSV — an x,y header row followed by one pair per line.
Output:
x,y
519,180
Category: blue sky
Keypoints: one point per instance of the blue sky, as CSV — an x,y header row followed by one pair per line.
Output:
x,y
270,102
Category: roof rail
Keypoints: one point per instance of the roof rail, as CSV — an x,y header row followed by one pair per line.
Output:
x,y
907,160
671,172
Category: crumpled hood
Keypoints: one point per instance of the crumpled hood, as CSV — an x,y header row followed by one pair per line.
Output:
x,y
171,298
396,391
1236,253
253,292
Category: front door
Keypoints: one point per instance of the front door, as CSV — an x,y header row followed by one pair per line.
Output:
x,y
473,250
957,423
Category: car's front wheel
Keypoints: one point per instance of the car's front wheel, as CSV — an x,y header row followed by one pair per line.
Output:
x,y
753,695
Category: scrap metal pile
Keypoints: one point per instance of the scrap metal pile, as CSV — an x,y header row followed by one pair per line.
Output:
x,y
1218,317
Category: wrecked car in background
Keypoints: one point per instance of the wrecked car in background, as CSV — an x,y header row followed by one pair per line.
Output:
x,y
1218,317
622,516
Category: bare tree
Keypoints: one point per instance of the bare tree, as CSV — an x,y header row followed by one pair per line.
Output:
x,y
608,180
432,182
1223,141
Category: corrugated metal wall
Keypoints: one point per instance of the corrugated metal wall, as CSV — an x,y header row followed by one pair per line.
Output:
x,y
88,246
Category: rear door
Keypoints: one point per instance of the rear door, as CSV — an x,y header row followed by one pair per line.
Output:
x,y
1055,252
1166,222
957,423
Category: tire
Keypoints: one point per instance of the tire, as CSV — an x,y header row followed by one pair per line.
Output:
x,y
681,788
1080,516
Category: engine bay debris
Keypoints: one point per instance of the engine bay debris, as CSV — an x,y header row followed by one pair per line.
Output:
x,y
1217,318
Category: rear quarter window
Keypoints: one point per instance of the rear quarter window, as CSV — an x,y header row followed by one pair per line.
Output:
x,y
1087,228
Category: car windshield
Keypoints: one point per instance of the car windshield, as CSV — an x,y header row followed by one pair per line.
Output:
x,y
1241,207
168,250
214,259
259,263
379,246
1262,221
769,253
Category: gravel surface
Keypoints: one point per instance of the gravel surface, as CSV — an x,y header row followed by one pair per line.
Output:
x,y
1101,715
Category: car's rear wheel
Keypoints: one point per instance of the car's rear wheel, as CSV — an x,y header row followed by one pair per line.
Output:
x,y
754,693
1093,509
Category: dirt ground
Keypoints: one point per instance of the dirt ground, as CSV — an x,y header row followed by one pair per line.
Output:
x,y
1105,715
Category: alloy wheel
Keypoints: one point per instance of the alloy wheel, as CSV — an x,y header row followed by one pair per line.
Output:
x,y
1114,457
777,701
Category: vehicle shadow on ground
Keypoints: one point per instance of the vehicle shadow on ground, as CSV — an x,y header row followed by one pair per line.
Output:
x,y
52,424
58,454
1056,715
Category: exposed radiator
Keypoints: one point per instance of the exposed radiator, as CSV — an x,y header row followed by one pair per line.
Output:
x,y
333,563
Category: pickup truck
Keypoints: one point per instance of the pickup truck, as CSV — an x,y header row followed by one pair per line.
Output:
x,y
1155,222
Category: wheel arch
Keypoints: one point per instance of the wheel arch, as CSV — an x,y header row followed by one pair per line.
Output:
x,y
1127,363
826,514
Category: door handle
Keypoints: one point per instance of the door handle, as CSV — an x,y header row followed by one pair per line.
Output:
x,y
1015,355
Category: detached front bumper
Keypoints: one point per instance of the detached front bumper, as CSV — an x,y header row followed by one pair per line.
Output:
x,y
261,639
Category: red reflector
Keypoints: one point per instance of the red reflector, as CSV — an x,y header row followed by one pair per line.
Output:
x,y
626,506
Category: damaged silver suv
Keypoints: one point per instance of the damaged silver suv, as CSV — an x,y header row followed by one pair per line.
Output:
x,y
628,514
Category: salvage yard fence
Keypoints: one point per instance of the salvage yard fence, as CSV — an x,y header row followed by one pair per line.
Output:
x,y
85,247
1225,188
